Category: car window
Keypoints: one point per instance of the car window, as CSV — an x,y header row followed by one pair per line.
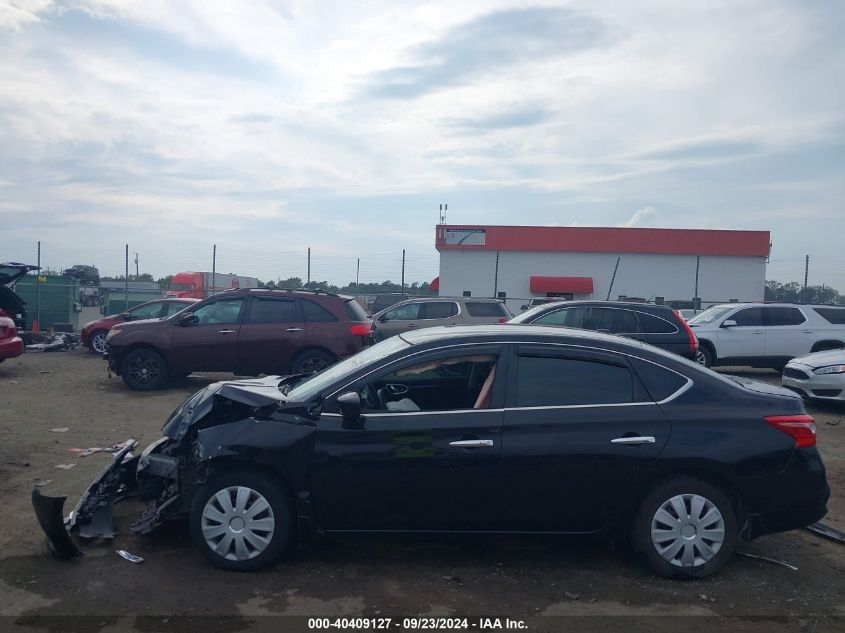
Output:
x,y
315,313
556,381
569,317
659,381
615,320
656,325
407,312
783,316
443,384
355,311
221,311
832,315
151,311
749,317
269,310
438,310
485,309
175,306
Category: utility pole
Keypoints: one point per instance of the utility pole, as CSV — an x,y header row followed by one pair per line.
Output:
x,y
38,287
806,276
126,278
496,278
136,267
612,279
308,276
403,272
695,298
357,275
213,269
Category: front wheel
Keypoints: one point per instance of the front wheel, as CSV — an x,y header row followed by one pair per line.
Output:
x,y
686,528
241,521
311,361
704,357
144,369
98,341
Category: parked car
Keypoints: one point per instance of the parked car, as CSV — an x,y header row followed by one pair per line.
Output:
x,y
11,305
687,313
504,428
93,334
819,376
87,275
11,345
415,314
384,301
533,303
246,331
766,334
654,324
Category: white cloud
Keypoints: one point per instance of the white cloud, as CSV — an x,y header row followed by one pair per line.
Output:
x,y
646,217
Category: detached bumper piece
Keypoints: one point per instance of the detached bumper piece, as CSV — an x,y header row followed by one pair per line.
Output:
x,y
92,516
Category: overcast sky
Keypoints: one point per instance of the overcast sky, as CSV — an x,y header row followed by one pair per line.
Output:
x,y
268,127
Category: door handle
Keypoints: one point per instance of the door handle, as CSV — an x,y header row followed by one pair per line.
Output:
x,y
412,325
294,329
757,331
633,441
471,443
226,332
806,331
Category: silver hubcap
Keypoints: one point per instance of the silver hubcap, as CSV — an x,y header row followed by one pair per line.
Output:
x,y
688,530
238,523
99,343
700,358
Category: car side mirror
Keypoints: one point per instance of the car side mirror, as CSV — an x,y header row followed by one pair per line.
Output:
x,y
523,308
350,409
189,319
729,323
126,315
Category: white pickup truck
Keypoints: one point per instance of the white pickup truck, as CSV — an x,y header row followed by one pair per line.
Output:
x,y
766,334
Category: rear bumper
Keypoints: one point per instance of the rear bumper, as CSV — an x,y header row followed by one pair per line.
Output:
x,y
793,499
11,348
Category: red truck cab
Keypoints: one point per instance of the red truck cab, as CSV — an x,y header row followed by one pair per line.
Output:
x,y
188,285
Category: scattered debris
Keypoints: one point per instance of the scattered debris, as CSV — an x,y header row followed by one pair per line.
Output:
x,y
42,342
85,452
826,531
62,429
45,371
41,484
454,579
65,466
130,557
571,595
769,560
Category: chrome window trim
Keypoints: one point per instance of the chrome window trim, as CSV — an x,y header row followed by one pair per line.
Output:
x,y
689,381
404,413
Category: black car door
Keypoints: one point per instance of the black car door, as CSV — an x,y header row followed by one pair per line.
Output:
x,y
417,462
580,435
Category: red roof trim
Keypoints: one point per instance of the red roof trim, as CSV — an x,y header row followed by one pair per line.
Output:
x,y
575,285
435,284
582,239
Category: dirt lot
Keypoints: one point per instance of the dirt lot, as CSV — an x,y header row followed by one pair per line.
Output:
x,y
553,584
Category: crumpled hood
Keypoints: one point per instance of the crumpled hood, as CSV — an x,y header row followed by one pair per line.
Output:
x,y
254,392
821,359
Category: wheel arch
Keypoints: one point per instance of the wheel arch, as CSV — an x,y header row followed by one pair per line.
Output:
x,y
826,344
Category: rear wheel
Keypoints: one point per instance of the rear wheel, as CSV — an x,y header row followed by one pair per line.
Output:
x,y
311,361
144,369
686,528
241,520
98,341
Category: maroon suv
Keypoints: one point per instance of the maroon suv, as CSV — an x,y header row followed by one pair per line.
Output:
x,y
247,332
93,333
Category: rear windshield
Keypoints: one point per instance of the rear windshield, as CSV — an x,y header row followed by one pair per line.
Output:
x,y
832,315
486,309
355,311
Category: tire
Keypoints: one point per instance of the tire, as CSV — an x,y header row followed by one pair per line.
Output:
x,y
311,361
685,554
98,341
704,356
240,548
144,369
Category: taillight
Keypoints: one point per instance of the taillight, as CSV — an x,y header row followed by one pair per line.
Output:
x,y
693,341
362,329
801,428
503,320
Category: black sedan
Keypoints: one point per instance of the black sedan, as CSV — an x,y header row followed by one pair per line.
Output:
x,y
502,428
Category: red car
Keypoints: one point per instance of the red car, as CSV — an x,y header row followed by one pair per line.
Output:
x,y
11,344
94,333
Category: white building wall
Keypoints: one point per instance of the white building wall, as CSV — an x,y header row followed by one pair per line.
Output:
x,y
640,275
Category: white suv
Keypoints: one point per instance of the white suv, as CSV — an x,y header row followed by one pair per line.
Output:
x,y
766,334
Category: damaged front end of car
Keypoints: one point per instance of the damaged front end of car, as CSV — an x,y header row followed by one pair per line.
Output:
x,y
169,471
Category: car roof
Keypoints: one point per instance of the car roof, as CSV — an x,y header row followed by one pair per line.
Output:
x,y
513,331
599,302
305,292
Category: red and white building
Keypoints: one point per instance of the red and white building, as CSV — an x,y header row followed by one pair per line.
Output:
x,y
525,262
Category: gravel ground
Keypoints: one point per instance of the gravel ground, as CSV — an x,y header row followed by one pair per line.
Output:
x,y
550,583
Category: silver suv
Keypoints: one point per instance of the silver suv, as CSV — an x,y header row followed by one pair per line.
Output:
x,y
415,314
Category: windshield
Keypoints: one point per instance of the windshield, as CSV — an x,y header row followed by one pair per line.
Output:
x,y
181,286
528,315
313,385
710,315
